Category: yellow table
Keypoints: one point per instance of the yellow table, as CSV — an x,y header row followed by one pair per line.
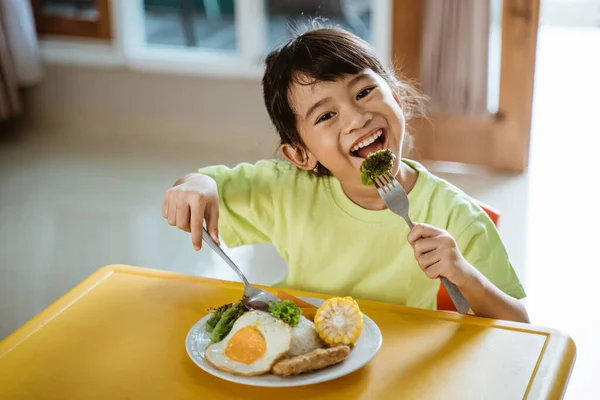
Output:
x,y
120,334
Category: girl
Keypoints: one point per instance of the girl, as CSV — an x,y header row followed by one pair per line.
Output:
x,y
333,103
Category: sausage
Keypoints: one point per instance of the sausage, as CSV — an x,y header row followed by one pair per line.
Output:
x,y
314,360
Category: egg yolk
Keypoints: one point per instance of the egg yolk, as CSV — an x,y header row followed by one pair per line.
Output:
x,y
246,346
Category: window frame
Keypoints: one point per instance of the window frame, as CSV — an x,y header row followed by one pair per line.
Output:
x,y
73,27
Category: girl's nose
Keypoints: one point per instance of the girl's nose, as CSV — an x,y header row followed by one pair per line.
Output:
x,y
356,118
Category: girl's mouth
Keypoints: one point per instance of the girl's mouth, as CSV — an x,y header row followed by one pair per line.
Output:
x,y
374,142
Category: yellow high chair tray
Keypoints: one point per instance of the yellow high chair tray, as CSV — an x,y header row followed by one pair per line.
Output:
x,y
121,334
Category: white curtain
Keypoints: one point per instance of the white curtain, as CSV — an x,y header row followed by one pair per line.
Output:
x,y
20,64
454,56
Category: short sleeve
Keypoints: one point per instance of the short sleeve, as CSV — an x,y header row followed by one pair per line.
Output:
x,y
245,202
482,247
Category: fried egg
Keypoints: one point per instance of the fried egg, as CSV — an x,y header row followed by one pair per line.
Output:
x,y
256,341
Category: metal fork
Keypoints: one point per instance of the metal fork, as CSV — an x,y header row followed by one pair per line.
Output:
x,y
253,298
395,198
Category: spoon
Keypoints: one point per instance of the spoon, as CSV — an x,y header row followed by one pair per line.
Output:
x,y
253,298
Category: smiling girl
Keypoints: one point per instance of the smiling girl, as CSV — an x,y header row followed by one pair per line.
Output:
x,y
333,103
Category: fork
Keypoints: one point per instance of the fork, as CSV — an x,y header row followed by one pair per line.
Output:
x,y
395,198
253,298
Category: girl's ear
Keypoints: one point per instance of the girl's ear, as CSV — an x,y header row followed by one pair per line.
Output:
x,y
299,156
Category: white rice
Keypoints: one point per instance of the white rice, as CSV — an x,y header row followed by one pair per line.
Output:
x,y
304,338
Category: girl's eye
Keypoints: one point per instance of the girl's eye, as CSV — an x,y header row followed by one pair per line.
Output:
x,y
325,117
364,93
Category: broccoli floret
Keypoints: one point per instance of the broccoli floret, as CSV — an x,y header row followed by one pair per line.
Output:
x,y
286,310
376,164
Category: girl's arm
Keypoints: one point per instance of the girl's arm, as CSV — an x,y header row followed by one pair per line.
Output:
x,y
438,255
486,300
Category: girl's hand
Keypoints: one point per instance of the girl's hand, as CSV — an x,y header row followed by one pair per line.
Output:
x,y
186,205
438,254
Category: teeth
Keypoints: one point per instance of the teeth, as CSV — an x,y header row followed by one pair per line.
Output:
x,y
367,141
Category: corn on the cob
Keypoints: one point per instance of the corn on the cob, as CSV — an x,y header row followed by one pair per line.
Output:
x,y
339,321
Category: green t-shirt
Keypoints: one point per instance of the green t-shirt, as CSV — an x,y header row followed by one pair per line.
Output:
x,y
333,246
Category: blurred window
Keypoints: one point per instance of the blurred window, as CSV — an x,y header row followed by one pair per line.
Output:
x,y
214,37
207,24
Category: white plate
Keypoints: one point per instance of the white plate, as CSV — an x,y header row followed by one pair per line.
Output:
x,y
366,347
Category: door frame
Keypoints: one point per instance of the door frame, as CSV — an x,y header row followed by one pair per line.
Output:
x,y
500,140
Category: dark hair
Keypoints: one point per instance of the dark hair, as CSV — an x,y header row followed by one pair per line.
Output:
x,y
322,54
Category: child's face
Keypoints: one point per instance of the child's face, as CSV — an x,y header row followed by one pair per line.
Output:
x,y
342,122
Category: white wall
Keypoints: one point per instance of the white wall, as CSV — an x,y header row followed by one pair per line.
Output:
x,y
96,104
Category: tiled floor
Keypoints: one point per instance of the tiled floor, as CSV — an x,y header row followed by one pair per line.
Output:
x,y
67,209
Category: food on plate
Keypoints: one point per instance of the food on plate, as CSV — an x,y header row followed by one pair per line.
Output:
x,y
304,338
283,340
339,321
256,341
223,319
286,310
377,163
314,360
308,310
216,317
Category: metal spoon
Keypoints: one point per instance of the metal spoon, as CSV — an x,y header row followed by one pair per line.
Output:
x,y
253,298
